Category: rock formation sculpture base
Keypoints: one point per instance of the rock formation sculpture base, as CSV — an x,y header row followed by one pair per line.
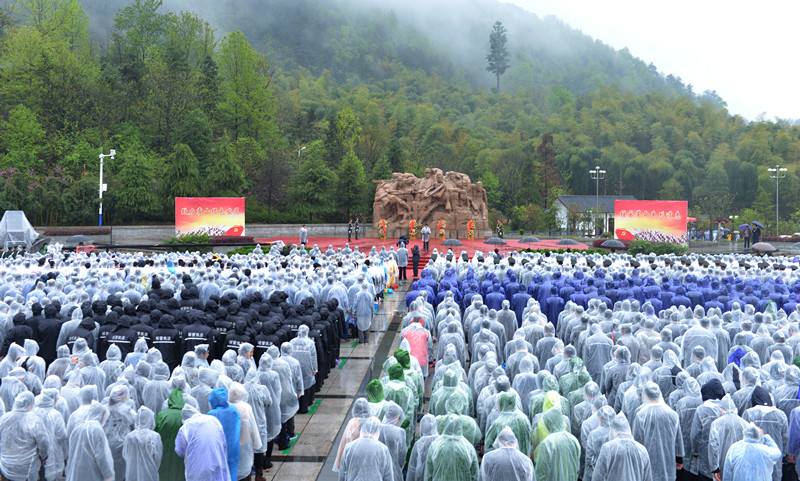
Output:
x,y
452,197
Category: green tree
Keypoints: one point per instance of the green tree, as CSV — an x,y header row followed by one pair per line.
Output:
x,y
23,139
182,176
140,26
352,185
134,196
313,190
341,136
225,177
498,56
382,170
247,106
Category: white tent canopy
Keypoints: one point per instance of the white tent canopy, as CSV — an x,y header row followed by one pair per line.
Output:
x,y
15,230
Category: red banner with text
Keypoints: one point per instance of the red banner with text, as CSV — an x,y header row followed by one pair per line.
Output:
x,y
651,220
213,216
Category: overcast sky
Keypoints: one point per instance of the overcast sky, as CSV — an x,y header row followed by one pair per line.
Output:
x,y
745,51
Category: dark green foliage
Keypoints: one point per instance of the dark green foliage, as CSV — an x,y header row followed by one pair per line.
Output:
x,y
225,177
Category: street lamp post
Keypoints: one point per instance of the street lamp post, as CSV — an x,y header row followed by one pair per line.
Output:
x,y
777,173
597,175
103,187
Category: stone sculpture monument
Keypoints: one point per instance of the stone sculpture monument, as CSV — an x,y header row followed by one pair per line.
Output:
x,y
451,196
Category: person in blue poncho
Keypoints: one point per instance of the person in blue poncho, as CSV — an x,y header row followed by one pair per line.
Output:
x,y
228,416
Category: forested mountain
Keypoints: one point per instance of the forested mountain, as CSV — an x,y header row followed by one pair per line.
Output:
x,y
220,97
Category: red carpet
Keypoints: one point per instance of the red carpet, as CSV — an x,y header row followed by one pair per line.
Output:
x,y
365,245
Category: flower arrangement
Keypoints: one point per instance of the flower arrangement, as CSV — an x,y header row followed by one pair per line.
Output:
x,y
471,228
382,227
412,228
440,227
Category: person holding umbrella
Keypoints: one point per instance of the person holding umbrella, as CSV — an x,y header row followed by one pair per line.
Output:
x,y
747,233
757,232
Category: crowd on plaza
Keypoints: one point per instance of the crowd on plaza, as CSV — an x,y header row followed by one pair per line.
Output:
x,y
566,367
171,366
550,367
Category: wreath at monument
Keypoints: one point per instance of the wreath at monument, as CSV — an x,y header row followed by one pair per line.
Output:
x,y
412,228
440,228
382,227
471,229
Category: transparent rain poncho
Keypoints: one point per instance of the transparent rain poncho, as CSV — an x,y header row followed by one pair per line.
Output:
x,y
352,431
506,462
419,454
451,457
53,423
394,437
60,404
773,422
35,363
725,430
120,422
593,439
525,382
88,394
23,440
113,366
289,386
755,457
657,428
142,448
157,390
304,350
259,399
10,387
201,443
469,427
366,457
269,379
558,455
207,382
512,418
623,458
449,388
249,437
686,408
89,456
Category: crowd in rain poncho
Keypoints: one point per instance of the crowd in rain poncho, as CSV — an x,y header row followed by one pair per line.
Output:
x,y
566,367
172,366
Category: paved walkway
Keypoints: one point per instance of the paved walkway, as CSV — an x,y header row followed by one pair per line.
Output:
x,y
311,454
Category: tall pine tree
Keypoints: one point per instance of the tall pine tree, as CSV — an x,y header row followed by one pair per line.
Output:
x,y
498,53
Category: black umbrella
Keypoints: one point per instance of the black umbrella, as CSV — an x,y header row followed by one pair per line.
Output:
x,y
77,239
451,242
758,224
495,241
567,242
613,244
529,240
